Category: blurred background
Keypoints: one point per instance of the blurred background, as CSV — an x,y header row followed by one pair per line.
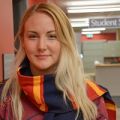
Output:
x,y
97,30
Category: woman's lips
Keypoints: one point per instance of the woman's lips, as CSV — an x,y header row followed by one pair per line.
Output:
x,y
42,56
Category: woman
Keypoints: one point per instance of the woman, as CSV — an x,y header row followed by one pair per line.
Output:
x,y
48,79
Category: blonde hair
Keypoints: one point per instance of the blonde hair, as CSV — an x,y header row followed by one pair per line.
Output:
x,y
69,73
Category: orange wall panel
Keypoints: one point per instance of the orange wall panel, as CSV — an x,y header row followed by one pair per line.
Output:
x,y
6,31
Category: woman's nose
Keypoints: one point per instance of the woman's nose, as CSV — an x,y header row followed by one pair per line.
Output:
x,y
42,44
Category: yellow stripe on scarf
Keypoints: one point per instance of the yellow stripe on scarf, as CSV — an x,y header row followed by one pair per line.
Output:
x,y
110,106
95,87
36,89
38,93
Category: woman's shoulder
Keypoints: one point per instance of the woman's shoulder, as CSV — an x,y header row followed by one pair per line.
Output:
x,y
5,105
102,98
94,90
8,98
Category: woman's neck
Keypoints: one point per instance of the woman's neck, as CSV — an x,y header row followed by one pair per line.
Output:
x,y
37,72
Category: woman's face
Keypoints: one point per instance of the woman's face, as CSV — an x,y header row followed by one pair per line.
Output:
x,y
41,44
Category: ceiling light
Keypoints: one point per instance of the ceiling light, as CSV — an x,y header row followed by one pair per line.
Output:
x,y
83,22
94,32
92,7
93,29
93,10
91,2
79,19
79,24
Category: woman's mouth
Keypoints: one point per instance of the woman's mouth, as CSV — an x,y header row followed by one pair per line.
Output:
x,y
41,57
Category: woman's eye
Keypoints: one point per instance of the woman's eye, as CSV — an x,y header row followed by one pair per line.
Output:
x,y
52,37
32,36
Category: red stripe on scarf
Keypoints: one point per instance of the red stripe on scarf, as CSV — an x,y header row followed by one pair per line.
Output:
x,y
111,109
33,87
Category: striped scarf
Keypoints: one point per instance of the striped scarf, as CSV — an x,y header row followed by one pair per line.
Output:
x,y
42,91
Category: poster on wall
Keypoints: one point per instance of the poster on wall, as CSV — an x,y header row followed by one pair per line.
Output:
x,y
7,62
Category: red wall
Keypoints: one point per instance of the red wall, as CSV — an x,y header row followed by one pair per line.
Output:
x,y
102,36
6,30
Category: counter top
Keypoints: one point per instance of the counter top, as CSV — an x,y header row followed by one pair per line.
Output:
x,y
107,65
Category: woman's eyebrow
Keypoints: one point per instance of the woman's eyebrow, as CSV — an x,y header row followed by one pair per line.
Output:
x,y
32,32
51,31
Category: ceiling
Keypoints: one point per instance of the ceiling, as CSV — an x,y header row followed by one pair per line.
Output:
x,y
90,9
83,4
